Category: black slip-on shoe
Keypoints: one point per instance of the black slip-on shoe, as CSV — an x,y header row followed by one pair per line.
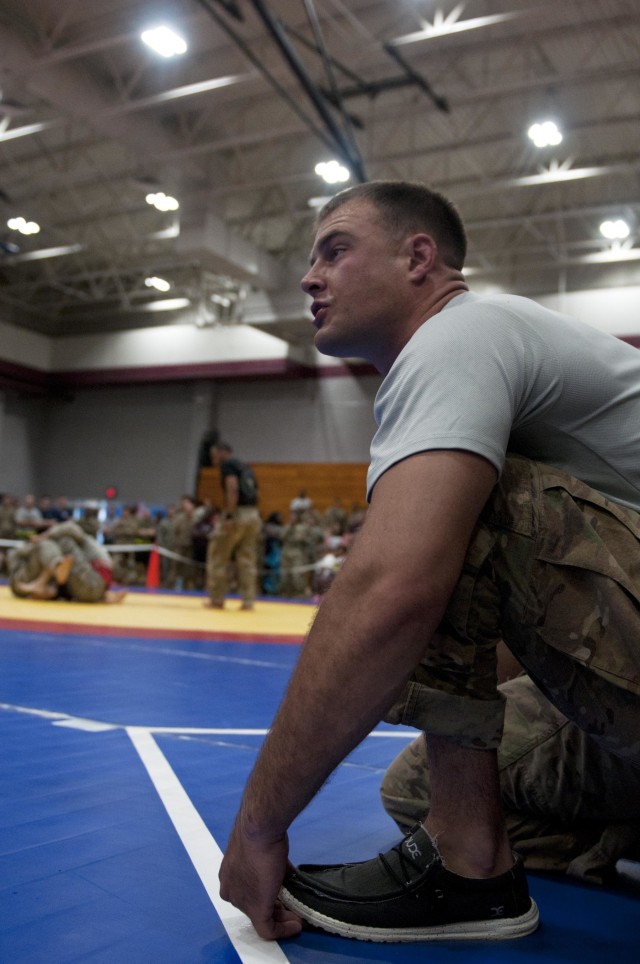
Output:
x,y
407,894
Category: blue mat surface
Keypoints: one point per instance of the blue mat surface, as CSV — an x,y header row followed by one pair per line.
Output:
x,y
92,866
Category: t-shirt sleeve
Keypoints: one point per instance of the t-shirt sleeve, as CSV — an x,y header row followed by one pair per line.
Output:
x,y
458,384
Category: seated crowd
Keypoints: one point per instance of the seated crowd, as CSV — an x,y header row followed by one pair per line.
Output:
x,y
299,555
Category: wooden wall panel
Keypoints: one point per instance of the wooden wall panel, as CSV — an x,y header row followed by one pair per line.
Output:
x,y
281,482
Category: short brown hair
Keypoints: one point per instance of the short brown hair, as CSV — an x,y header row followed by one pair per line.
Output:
x,y
406,207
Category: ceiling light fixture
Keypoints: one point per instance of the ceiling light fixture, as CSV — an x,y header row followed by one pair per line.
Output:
x,y
164,41
165,304
162,201
617,252
559,172
545,134
443,26
615,230
43,253
24,227
26,130
158,283
332,172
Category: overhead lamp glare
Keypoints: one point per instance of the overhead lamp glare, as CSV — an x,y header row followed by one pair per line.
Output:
x,y
162,201
166,304
545,134
332,172
164,41
23,226
158,283
615,230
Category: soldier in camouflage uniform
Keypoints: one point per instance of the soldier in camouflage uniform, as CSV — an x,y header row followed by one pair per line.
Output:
x,y
504,504
7,526
163,541
300,539
182,574
124,531
64,562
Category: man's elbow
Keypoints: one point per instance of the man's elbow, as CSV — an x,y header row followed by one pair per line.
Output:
x,y
404,596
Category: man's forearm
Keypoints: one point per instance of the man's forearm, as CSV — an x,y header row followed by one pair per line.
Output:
x,y
343,684
372,629
230,495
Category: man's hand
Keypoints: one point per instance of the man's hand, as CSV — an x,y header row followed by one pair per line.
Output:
x,y
250,878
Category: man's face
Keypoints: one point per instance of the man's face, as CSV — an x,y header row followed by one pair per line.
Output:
x,y
357,281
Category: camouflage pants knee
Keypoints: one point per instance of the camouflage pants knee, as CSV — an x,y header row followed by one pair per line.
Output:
x,y
553,568
570,806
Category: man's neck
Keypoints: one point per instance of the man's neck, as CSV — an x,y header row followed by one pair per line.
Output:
x,y
454,287
436,299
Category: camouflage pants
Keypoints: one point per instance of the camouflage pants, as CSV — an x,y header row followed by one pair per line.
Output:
x,y
239,539
553,568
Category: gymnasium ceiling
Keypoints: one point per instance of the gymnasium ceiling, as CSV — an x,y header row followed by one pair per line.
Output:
x,y
92,121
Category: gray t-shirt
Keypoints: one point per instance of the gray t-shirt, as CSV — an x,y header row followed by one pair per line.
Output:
x,y
494,373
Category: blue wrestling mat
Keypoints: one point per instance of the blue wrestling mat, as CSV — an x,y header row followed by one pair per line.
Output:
x,y
123,761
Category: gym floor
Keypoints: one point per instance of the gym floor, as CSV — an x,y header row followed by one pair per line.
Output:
x,y
127,735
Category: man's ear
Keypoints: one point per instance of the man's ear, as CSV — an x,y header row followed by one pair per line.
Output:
x,y
422,251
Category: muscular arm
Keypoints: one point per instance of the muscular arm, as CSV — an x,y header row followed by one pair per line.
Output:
x,y
369,634
230,487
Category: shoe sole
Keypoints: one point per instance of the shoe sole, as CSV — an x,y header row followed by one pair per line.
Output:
x,y
500,929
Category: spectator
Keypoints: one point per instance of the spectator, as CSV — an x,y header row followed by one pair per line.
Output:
x,y
28,517
63,511
181,536
300,539
204,520
47,509
301,503
124,532
335,514
163,523
7,527
272,554
326,569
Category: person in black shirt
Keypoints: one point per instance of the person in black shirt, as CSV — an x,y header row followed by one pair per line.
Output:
x,y
237,531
